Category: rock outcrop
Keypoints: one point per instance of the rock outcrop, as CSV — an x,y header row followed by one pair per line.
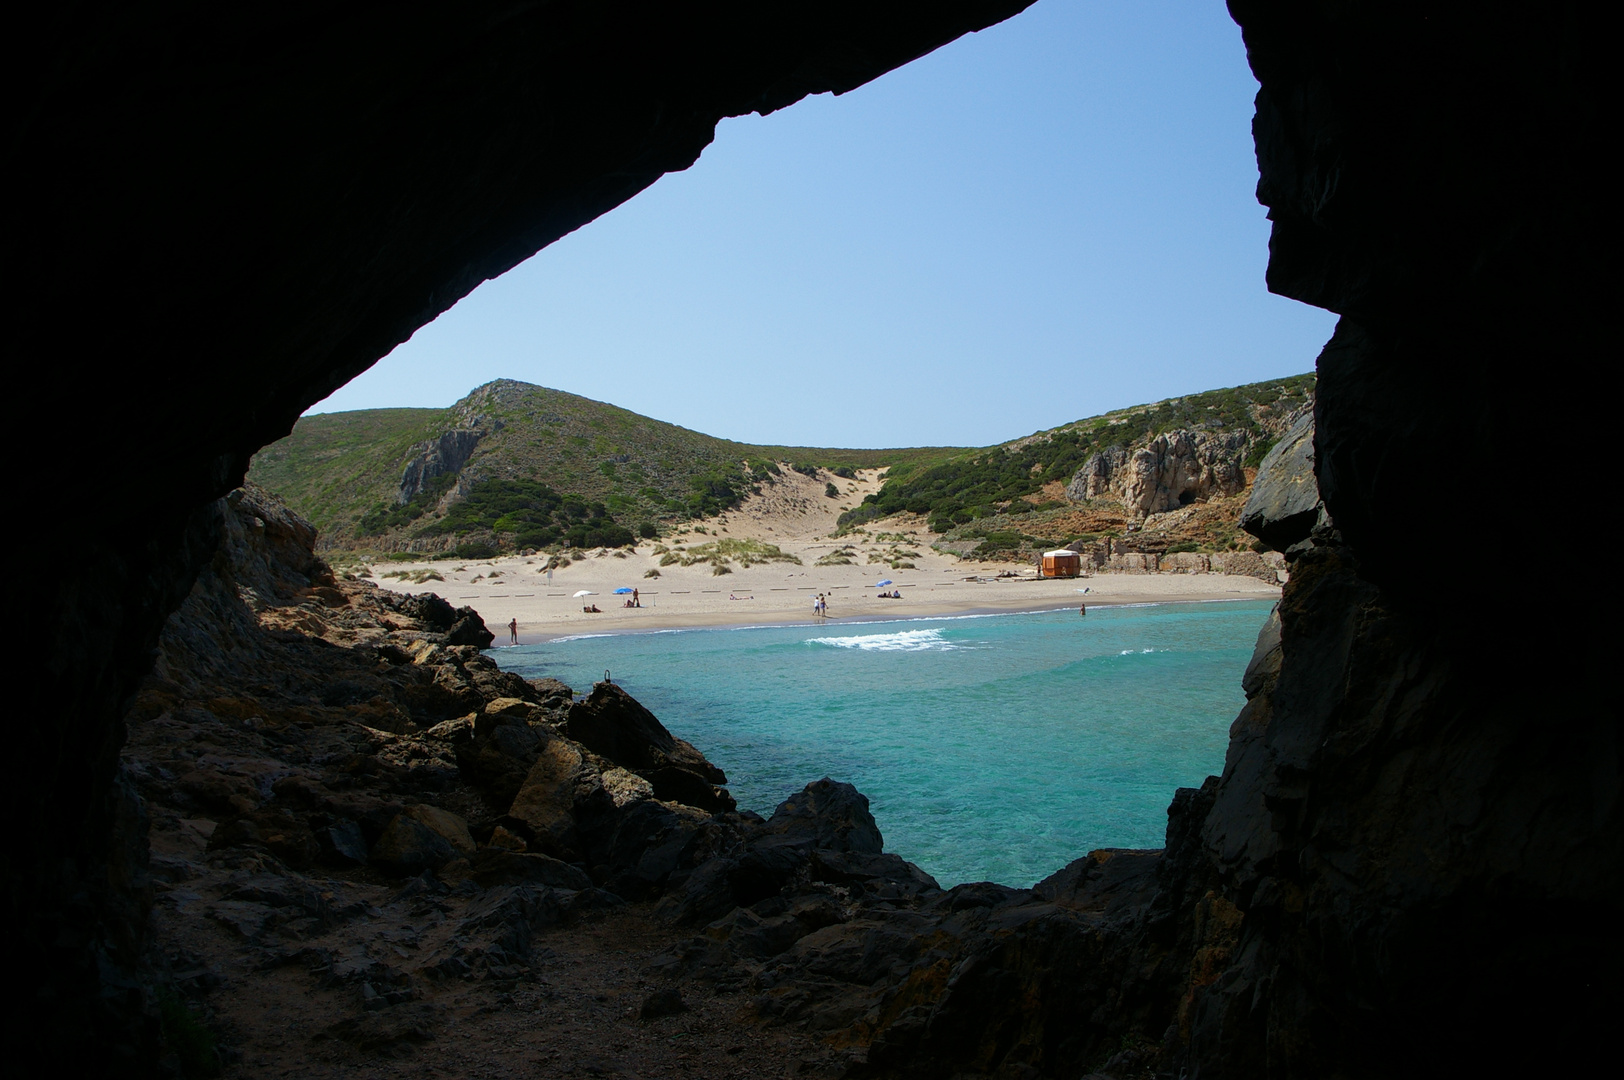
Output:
x,y
1284,506
444,456
1171,470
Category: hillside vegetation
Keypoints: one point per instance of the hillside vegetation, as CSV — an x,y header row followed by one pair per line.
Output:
x,y
547,467
514,466
1029,474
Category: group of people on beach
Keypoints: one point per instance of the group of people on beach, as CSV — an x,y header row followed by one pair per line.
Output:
x,y
820,606
634,600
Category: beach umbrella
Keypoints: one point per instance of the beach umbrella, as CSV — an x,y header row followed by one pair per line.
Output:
x,y
622,589
882,584
583,592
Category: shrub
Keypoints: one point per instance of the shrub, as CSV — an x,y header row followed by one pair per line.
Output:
x,y
831,491
651,573
647,530
474,549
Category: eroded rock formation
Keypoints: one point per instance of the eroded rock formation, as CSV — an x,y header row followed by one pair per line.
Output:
x,y
1171,470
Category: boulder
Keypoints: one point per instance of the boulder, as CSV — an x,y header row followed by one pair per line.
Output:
x,y
408,846
625,787
613,724
832,815
544,805
451,827
679,785
498,757
1285,502
504,840
552,693
469,629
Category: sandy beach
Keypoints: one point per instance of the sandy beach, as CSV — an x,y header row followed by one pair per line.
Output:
x,y
797,517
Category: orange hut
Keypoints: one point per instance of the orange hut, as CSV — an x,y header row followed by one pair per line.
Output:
x,y
1062,563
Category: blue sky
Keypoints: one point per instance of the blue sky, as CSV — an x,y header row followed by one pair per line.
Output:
x,y
1039,222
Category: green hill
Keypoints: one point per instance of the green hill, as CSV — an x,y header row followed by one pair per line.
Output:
x,y
521,465
515,466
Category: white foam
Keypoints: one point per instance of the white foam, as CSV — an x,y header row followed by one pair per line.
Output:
x,y
901,641
576,637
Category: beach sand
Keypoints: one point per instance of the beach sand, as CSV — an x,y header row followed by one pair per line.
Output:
x,y
796,515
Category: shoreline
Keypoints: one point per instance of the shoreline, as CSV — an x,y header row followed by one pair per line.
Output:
x,y
692,623
763,563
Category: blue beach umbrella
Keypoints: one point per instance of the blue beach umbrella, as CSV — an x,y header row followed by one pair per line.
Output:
x,y
882,584
622,589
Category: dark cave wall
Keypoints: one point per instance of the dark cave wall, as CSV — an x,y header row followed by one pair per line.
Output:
x,y
219,215
1421,819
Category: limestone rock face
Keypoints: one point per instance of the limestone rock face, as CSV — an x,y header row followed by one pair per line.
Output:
x,y
1285,505
440,457
1172,470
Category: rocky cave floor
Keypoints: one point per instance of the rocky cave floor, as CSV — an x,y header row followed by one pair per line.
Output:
x,y
303,999
372,852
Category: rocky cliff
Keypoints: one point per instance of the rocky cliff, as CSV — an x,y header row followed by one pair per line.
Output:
x,y
1171,470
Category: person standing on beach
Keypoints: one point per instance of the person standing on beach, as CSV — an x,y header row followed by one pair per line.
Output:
x,y
513,631
635,601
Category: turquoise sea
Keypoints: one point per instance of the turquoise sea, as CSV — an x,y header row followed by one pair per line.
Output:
x,y
995,747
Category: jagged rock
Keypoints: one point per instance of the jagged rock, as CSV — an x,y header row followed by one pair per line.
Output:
x,y
469,629
544,806
1285,504
650,842
680,785
625,787
831,814
615,725
1172,470
410,846
343,842
453,827
551,693
873,869
503,840
499,756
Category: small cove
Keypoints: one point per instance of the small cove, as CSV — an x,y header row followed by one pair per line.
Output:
x,y
994,747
